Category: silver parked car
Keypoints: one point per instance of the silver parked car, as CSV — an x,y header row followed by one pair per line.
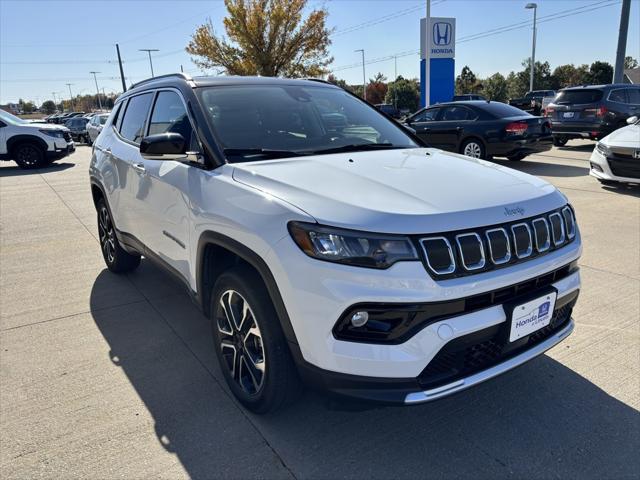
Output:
x,y
94,127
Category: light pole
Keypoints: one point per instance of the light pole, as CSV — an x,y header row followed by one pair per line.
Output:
x,y
533,6
395,79
70,95
55,100
364,77
97,89
149,50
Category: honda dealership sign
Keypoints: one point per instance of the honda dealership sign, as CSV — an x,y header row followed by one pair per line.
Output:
x,y
441,40
442,37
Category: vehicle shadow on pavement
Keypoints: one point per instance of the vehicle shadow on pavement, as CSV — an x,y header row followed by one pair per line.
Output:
x,y
546,169
15,171
542,420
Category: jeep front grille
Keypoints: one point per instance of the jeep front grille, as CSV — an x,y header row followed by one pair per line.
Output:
x,y
455,254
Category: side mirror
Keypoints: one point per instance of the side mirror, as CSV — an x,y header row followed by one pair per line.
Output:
x,y
632,120
406,126
164,146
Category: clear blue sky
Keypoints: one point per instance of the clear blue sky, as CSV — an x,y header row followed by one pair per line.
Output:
x,y
48,43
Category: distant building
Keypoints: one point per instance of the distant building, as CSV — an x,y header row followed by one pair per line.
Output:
x,y
11,108
632,75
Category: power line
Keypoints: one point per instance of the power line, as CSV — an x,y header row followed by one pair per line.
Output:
x,y
494,31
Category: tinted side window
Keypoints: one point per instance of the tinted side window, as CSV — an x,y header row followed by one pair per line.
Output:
x,y
618,96
633,96
457,113
426,115
132,127
169,115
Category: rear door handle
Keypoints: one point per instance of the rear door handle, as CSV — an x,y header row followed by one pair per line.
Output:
x,y
139,167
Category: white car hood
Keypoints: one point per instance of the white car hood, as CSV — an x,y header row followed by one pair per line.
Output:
x,y
401,191
44,126
628,136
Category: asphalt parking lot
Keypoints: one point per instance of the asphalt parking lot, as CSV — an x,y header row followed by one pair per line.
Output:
x,y
105,376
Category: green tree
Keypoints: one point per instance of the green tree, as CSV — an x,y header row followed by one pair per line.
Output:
x,y
466,82
266,37
600,73
496,88
569,75
406,92
630,62
48,107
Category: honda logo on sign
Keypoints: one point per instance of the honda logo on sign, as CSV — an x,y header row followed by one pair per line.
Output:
x,y
441,33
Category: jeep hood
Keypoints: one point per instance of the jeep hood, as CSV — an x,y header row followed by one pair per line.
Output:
x,y
401,191
628,136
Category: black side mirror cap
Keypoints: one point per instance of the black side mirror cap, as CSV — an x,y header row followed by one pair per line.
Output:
x,y
163,146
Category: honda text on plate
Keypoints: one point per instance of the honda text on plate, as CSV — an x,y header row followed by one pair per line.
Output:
x,y
326,244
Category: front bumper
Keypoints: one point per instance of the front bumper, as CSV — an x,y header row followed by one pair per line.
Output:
x,y
61,149
616,170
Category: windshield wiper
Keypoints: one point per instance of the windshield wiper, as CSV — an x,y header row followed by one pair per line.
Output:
x,y
360,147
247,154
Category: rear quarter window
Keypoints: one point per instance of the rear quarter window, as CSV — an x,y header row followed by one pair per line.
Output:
x,y
570,97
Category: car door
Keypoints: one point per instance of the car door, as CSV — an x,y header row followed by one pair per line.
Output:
x,y
421,123
125,154
162,190
450,126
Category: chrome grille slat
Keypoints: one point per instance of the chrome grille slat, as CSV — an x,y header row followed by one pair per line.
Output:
x,y
487,248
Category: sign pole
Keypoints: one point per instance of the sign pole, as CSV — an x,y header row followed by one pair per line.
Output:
x,y
427,57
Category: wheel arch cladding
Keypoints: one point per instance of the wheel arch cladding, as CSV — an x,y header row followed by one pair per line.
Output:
x,y
216,254
17,140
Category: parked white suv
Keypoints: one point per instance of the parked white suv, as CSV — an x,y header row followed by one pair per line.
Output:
x,y
32,145
325,243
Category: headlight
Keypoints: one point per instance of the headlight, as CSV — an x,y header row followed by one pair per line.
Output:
x,y
351,247
603,149
53,133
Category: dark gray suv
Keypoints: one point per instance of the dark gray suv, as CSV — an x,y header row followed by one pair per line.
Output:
x,y
592,111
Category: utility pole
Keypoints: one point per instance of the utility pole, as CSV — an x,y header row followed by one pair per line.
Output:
x,y
395,79
149,50
124,85
427,57
618,70
70,95
97,89
533,6
364,77
181,69
55,101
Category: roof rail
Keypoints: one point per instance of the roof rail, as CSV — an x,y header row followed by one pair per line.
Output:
x,y
319,80
181,75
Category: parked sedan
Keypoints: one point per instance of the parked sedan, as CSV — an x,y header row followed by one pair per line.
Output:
x,y
616,157
482,129
94,127
78,128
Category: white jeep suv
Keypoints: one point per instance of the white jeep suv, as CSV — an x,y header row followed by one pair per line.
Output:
x,y
32,145
327,244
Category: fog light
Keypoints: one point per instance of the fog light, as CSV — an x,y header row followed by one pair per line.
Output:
x,y
359,319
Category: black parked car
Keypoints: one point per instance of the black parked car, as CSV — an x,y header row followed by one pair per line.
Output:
x,y
532,101
482,129
592,111
389,109
78,128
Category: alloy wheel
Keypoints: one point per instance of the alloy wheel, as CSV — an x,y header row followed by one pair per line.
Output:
x,y
28,155
107,235
240,342
472,149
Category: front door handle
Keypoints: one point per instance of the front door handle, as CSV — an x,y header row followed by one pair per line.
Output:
x,y
139,167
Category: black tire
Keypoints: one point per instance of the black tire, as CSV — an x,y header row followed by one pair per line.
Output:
x,y
560,141
87,139
473,148
517,158
254,357
117,259
28,156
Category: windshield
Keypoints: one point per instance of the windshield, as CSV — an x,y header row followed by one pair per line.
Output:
x,y
10,119
258,122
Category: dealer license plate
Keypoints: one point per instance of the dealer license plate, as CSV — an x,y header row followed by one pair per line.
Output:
x,y
532,316
567,114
